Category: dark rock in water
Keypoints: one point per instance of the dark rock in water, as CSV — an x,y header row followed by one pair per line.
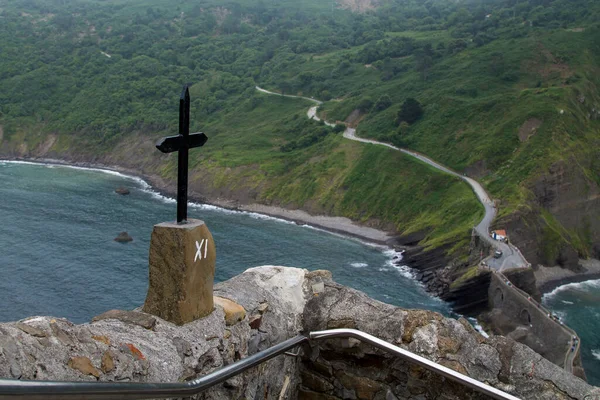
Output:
x,y
123,238
122,190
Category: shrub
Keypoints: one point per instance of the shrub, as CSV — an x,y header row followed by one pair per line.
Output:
x,y
383,102
339,128
365,104
410,111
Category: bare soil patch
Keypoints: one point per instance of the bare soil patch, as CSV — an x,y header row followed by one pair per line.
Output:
x,y
359,6
353,119
47,145
529,128
221,14
547,65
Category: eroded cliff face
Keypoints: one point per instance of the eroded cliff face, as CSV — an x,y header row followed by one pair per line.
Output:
x,y
281,303
564,223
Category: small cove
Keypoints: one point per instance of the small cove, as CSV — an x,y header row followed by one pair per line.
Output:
x,y
58,257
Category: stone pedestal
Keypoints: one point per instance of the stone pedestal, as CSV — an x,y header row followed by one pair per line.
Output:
x,y
182,270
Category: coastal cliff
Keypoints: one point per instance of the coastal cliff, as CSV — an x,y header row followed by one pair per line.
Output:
x,y
279,303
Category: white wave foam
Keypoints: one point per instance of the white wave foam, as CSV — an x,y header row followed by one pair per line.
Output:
x,y
394,257
560,314
585,286
378,246
405,271
140,181
210,207
478,327
394,254
147,188
157,196
567,302
596,353
359,265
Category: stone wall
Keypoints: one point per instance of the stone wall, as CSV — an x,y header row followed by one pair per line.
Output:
x,y
279,303
514,316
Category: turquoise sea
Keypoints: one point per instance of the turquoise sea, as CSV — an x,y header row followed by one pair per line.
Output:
x,y
58,257
578,305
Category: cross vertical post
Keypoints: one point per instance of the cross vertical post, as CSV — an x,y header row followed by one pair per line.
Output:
x,y
182,174
182,143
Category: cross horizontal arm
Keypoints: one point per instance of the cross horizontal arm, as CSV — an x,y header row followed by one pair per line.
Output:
x,y
174,143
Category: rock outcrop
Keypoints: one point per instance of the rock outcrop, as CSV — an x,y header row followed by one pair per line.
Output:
x,y
568,192
280,303
123,237
122,191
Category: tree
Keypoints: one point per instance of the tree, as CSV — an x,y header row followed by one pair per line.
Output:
x,y
365,104
383,102
339,128
424,62
410,111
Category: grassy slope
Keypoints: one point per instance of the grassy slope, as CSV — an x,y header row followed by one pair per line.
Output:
x,y
472,114
551,70
367,183
362,182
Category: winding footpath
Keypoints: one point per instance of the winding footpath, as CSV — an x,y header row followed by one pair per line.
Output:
x,y
511,256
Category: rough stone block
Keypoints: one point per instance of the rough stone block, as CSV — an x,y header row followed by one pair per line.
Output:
x,y
182,270
234,313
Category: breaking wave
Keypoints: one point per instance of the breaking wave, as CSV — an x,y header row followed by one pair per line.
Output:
x,y
405,271
394,259
585,286
478,327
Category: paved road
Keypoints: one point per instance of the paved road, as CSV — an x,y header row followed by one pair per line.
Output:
x,y
288,95
511,257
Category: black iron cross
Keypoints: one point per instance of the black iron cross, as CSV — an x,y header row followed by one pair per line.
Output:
x,y
182,143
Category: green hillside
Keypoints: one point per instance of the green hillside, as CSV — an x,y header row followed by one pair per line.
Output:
x,y
508,88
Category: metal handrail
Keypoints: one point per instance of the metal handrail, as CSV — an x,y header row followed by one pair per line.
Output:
x,y
46,390
423,362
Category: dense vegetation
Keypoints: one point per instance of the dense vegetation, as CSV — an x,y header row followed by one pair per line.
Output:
x,y
100,71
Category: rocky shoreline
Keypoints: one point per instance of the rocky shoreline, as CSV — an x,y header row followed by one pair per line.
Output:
x,y
427,265
340,225
550,279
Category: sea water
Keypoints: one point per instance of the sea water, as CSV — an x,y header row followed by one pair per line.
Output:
x,y
58,256
578,305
